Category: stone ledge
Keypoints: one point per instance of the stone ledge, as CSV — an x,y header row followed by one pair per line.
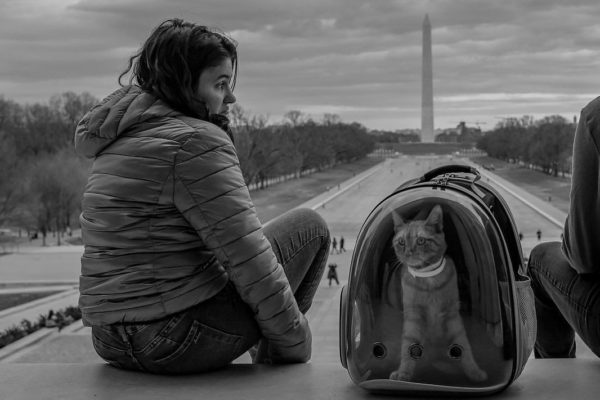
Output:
x,y
25,342
14,350
547,379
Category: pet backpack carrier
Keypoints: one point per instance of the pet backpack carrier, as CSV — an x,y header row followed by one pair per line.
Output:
x,y
437,300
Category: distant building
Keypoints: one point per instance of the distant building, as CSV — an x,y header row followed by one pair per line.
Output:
x,y
461,134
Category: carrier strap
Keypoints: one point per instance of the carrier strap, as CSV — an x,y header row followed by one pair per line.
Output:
x,y
449,169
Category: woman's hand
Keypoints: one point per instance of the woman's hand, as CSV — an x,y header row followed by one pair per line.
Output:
x,y
268,353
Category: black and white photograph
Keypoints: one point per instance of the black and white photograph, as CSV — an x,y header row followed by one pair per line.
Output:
x,y
181,182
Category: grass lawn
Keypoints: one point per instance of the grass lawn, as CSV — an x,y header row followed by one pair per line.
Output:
x,y
8,300
554,189
279,198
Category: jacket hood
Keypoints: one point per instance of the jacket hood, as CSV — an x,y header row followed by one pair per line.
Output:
x,y
118,112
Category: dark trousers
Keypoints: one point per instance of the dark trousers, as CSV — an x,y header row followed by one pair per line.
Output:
x,y
215,332
566,303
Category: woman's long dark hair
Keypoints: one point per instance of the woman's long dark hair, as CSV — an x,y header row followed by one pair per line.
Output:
x,y
171,60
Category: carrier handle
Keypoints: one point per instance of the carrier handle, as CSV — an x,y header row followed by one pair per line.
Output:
x,y
446,169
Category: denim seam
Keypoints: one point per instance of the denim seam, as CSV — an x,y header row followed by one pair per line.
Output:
x,y
302,248
559,287
106,346
162,334
191,337
312,282
130,351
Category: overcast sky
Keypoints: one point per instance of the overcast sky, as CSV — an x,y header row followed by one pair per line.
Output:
x,y
360,59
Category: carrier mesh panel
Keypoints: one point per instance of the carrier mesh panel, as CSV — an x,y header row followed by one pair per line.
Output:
x,y
526,309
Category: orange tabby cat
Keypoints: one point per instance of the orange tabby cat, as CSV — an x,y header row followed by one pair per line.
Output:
x,y
430,297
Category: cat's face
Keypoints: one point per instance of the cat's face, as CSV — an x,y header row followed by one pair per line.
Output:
x,y
419,243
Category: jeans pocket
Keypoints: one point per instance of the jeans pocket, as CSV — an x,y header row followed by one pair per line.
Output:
x,y
201,348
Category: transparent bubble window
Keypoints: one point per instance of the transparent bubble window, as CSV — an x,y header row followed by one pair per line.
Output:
x,y
441,323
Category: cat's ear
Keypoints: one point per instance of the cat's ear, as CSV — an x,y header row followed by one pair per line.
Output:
x,y
398,221
435,218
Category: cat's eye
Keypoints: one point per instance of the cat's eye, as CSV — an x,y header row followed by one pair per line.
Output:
x,y
400,242
420,241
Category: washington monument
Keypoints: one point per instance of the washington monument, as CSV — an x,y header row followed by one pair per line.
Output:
x,y
427,86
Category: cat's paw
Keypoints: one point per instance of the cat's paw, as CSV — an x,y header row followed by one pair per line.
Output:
x,y
400,376
477,374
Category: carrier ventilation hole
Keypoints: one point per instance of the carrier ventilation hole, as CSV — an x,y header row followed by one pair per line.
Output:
x,y
455,351
415,351
379,350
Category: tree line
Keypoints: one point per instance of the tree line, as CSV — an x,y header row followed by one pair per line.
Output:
x,y
296,145
42,178
546,143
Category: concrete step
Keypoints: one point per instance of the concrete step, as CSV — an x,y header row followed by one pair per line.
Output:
x,y
556,379
32,310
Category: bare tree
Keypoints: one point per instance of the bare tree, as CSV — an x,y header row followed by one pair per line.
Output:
x,y
294,118
11,188
331,119
55,187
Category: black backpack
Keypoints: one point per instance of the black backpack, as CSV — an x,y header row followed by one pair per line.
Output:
x,y
462,324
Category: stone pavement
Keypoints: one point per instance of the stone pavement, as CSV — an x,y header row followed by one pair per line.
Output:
x,y
344,208
541,379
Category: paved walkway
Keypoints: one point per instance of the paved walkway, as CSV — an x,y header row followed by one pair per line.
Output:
x,y
344,208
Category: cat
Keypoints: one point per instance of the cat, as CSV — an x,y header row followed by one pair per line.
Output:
x,y
428,282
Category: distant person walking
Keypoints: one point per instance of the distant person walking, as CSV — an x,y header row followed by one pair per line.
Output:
x,y
334,246
539,234
332,273
342,244
566,274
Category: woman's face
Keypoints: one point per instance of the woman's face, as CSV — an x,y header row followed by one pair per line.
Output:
x,y
214,89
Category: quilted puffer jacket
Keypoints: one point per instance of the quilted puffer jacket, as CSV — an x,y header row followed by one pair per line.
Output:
x,y
167,221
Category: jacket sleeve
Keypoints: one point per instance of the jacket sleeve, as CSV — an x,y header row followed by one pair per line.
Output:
x,y
211,194
582,227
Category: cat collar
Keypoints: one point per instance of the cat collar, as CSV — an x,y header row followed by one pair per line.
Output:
x,y
435,270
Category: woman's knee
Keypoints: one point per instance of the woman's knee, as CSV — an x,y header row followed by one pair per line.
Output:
x,y
544,251
310,220
544,256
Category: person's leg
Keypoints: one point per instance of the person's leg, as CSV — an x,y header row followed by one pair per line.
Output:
x,y
565,303
205,337
211,334
300,240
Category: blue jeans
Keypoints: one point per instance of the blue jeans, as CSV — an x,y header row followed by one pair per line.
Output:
x,y
565,302
215,332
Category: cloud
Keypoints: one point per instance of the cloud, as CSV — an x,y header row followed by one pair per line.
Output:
x,y
360,59
493,97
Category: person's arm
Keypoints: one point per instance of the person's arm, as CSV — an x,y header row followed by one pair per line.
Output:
x,y
211,193
582,227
